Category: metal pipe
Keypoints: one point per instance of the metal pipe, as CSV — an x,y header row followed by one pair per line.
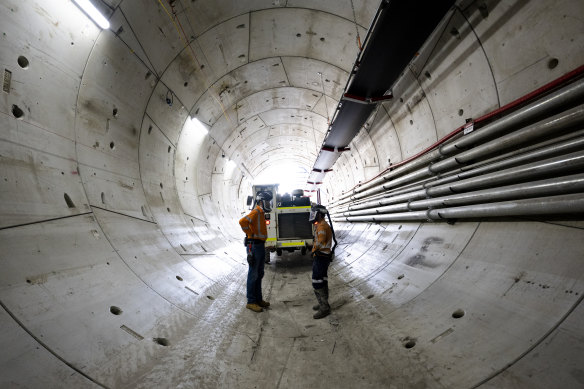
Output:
x,y
555,165
548,187
561,148
537,109
565,204
572,117
551,147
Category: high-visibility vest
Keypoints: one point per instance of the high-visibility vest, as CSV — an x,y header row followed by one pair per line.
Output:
x,y
254,224
323,238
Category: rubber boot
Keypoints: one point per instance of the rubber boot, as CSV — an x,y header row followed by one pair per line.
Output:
x,y
325,308
317,306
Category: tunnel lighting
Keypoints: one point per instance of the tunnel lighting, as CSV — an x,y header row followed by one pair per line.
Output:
x,y
93,13
229,169
196,123
288,173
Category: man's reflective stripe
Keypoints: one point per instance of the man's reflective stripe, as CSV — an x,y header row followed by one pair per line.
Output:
x,y
317,281
321,232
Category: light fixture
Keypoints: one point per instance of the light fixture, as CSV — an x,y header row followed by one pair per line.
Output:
x,y
199,126
93,13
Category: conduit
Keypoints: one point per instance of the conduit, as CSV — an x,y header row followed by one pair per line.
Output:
x,y
378,66
537,158
556,149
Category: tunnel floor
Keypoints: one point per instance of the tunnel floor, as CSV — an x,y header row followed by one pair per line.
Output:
x,y
231,346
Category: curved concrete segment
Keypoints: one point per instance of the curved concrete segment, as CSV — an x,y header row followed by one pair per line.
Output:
x,y
121,257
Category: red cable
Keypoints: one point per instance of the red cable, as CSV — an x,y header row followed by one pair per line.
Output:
x,y
545,88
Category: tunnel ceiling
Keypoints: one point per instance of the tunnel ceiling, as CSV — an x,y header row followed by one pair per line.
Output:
x,y
264,76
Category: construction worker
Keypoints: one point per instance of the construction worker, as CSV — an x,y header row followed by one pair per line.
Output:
x,y
254,226
322,256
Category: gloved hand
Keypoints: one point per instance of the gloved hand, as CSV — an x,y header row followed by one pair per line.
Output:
x,y
250,258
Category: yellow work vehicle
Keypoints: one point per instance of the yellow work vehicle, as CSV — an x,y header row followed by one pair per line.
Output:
x,y
287,221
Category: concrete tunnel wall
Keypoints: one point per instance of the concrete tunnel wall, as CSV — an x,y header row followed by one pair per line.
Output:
x,y
121,257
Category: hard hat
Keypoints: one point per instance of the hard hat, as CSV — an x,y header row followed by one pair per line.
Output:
x,y
316,209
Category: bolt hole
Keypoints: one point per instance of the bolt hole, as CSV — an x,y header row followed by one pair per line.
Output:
x,y
102,198
412,122
552,63
410,343
149,130
298,35
148,74
161,186
401,100
115,112
162,341
69,201
186,84
28,281
169,148
23,62
115,310
179,278
322,39
17,112
112,145
460,112
168,209
427,74
211,297
458,314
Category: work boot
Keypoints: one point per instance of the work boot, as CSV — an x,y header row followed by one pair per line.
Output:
x,y
264,304
254,307
317,306
324,308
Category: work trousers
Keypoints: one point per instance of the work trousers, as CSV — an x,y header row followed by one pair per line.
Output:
x,y
255,273
320,265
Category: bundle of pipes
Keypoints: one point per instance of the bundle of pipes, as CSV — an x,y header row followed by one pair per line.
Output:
x,y
530,162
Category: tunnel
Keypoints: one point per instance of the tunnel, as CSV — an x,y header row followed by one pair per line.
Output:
x,y
127,152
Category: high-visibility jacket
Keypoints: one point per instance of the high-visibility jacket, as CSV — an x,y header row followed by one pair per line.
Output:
x,y
323,238
254,224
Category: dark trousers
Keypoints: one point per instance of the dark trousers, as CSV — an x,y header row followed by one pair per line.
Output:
x,y
255,273
320,266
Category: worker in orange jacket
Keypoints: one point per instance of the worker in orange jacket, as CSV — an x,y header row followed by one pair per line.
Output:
x,y
322,257
254,226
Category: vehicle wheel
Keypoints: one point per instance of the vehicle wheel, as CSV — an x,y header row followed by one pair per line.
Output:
x,y
303,250
267,257
279,252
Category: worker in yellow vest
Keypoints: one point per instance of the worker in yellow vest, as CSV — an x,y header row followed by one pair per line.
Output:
x,y
254,226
